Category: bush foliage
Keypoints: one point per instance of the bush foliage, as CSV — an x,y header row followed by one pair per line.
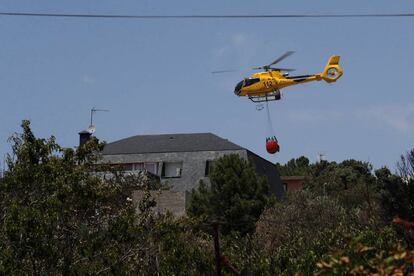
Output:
x,y
58,215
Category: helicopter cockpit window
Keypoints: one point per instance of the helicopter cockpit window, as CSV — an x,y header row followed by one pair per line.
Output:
x,y
238,86
251,81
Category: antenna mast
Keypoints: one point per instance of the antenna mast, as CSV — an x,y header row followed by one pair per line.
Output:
x,y
321,156
93,110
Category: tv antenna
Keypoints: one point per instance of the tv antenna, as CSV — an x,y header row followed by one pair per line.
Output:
x,y
321,156
93,110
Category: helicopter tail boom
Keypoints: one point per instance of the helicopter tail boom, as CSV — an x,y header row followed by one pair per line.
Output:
x,y
332,71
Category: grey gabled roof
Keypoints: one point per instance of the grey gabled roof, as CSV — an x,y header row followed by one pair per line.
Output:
x,y
169,143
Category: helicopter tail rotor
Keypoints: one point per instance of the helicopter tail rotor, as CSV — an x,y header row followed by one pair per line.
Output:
x,y
332,71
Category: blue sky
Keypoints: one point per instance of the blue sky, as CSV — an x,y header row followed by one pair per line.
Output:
x,y
154,75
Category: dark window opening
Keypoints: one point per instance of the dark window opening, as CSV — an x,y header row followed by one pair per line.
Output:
x,y
151,167
172,169
238,86
249,82
209,167
122,167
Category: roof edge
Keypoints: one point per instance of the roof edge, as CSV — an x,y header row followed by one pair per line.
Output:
x,y
172,151
255,154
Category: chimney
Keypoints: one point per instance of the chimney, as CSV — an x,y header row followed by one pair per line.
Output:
x,y
84,136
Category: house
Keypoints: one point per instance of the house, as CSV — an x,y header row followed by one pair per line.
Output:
x,y
182,160
293,183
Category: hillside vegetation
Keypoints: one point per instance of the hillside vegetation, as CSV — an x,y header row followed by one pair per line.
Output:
x,y
58,215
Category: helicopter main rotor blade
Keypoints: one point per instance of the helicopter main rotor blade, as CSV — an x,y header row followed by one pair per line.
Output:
x,y
283,69
267,68
285,55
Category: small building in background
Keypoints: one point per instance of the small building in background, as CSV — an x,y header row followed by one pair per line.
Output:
x,y
182,160
293,183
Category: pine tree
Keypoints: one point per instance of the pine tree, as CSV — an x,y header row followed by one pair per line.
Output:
x,y
235,197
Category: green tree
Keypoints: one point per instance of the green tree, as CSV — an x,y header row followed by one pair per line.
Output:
x,y
298,231
406,172
339,201
397,194
236,196
58,216
295,167
351,182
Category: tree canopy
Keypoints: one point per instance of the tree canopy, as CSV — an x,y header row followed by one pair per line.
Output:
x,y
295,167
59,215
236,195
56,216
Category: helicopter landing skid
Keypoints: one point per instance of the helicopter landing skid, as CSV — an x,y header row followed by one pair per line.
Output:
x,y
274,96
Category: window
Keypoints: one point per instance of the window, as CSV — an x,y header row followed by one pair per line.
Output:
x,y
172,169
126,167
151,167
251,81
238,86
138,166
209,167
285,187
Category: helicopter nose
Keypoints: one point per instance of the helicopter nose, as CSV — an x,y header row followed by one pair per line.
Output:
x,y
238,88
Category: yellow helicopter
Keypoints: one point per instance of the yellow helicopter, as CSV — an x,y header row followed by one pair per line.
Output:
x,y
265,86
